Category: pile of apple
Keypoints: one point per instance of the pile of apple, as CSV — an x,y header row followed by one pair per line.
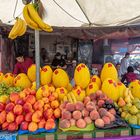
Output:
x,y
97,108
23,111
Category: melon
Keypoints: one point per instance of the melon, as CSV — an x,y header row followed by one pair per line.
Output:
x,y
46,75
41,90
96,80
22,80
134,86
110,88
32,72
82,76
121,88
79,93
61,93
109,71
60,78
92,88
8,79
1,77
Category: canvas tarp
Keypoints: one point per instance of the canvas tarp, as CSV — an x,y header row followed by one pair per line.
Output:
x,y
78,13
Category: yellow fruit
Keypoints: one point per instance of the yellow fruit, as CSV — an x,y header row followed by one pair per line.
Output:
x,y
135,88
128,99
60,78
28,19
8,79
123,114
130,94
96,80
46,75
73,97
121,88
41,91
92,88
110,88
23,30
21,80
4,98
34,15
82,75
79,93
69,87
33,87
109,71
126,92
51,88
16,29
65,98
61,93
69,98
1,77
121,102
32,72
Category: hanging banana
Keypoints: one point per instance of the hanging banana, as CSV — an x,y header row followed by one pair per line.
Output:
x,y
18,29
28,19
24,28
36,18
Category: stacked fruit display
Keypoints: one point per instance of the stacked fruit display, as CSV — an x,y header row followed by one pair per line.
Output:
x,y
5,91
24,111
130,108
97,107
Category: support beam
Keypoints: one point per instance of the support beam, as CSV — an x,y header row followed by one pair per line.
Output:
x,y
37,58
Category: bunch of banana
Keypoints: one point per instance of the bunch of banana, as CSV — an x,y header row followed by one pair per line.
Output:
x,y
18,29
128,93
70,98
33,19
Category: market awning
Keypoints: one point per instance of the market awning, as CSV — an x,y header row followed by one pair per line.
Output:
x,y
79,13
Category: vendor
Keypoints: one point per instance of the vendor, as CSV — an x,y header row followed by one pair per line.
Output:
x,y
22,65
129,76
58,62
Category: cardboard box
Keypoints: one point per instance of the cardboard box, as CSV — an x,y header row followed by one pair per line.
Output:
x,y
101,133
74,135
135,132
42,136
57,136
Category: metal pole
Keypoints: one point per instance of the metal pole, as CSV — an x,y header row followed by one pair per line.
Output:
x,y
37,58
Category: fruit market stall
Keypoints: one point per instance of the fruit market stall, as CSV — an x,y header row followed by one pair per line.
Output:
x,y
96,106
44,104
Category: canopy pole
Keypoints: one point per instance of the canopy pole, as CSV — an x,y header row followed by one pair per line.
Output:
x,y
37,58
83,12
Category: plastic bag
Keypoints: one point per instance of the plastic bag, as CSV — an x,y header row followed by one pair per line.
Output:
x,y
41,130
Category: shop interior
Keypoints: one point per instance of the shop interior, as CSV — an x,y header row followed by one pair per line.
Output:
x,y
92,47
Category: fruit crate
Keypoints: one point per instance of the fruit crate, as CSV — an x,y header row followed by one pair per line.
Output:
x,y
42,136
70,135
114,132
